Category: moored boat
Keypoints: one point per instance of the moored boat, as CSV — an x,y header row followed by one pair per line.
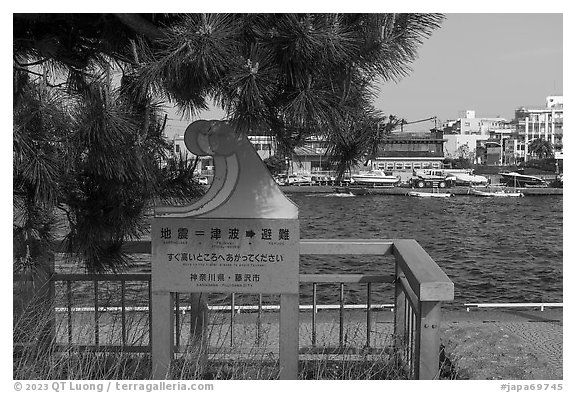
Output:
x,y
423,194
497,192
466,177
515,179
376,179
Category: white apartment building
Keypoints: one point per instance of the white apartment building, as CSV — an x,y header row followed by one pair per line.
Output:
x,y
546,122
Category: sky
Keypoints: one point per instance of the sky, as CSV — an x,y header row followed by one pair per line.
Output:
x,y
491,63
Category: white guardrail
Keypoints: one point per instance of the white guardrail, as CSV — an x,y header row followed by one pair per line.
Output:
x,y
237,308
512,305
304,307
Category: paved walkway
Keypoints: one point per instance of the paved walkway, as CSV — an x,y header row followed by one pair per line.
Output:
x,y
506,344
501,345
482,344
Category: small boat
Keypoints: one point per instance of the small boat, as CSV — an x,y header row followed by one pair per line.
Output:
x,y
494,193
467,177
423,194
515,179
376,179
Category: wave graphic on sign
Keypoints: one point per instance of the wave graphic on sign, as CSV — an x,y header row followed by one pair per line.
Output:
x,y
242,186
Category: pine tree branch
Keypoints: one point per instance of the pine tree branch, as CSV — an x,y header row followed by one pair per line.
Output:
x,y
141,26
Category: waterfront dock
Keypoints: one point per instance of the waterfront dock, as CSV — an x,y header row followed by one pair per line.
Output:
x,y
458,190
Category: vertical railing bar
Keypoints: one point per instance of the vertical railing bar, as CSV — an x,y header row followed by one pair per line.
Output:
x,y
123,310
314,310
177,303
69,299
150,314
412,340
412,347
410,327
96,311
259,320
232,310
405,338
409,341
341,315
368,314
405,334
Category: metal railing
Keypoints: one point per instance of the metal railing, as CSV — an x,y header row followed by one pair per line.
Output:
x,y
541,306
420,287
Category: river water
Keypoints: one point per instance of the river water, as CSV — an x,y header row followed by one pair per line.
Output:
x,y
493,249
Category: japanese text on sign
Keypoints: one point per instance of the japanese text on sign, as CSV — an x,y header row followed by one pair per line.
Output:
x,y
251,255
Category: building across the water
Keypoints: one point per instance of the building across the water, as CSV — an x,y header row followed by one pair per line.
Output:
x,y
546,122
399,153
265,145
501,142
402,153
311,158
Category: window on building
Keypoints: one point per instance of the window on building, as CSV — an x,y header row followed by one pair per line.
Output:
x,y
389,165
399,165
427,165
408,165
177,148
417,165
435,165
381,165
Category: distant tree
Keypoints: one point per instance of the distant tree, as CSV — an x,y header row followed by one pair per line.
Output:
x,y
481,154
457,163
558,146
463,152
276,164
541,147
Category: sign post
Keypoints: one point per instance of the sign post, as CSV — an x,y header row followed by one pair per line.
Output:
x,y
243,236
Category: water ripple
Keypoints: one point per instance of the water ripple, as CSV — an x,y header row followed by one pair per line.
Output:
x,y
493,249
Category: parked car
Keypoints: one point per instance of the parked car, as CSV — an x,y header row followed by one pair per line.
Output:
x,y
281,179
431,177
294,180
320,179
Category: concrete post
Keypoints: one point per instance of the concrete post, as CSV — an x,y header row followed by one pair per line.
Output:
x,y
162,314
428,341
399,311
289,336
